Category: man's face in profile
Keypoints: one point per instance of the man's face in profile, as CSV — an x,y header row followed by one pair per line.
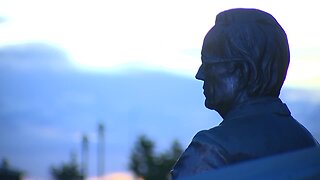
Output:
x,y
220,83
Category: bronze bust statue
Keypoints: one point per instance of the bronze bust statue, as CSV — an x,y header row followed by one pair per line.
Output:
x,y
245,57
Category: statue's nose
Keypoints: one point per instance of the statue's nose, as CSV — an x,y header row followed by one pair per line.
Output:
x,y
200,73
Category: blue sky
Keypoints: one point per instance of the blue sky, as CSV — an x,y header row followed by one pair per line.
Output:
x,y
67,65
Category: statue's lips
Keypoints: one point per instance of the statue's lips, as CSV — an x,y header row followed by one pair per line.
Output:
x,y
204,92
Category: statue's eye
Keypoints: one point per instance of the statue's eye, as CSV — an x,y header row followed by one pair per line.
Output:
x,y
207,67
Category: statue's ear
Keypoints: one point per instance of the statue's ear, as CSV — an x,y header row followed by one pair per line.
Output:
x,y
243,73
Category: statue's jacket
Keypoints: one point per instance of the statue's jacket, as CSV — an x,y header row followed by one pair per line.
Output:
x,y
255,129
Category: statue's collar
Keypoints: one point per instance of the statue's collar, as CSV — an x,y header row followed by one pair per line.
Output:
x,y
258,106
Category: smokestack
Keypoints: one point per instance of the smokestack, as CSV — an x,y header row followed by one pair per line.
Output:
x,y
85,156
101,150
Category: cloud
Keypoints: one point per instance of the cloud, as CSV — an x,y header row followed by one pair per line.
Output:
x,y
296,95
33,57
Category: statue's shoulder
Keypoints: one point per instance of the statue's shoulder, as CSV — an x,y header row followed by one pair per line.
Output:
x,y
202,154
215,136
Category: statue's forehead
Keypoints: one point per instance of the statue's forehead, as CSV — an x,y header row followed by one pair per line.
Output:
x,y
212,43
211,36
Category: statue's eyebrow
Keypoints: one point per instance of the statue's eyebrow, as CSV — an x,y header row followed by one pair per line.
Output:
x,y
216,59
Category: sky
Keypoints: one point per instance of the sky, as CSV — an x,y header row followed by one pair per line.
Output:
x,y
66,65
110,36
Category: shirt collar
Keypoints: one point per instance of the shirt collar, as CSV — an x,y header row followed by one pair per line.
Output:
x,y
258,106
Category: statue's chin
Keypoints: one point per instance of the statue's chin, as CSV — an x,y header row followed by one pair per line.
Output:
x,y
209,105
214,107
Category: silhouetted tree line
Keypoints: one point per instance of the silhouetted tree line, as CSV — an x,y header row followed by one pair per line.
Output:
x,y
67,171
72,170
8,173
144,162
147,164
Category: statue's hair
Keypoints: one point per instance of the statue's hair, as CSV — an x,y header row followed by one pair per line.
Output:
x,y
258,38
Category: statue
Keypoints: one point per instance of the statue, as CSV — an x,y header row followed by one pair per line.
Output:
x,y
245,58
